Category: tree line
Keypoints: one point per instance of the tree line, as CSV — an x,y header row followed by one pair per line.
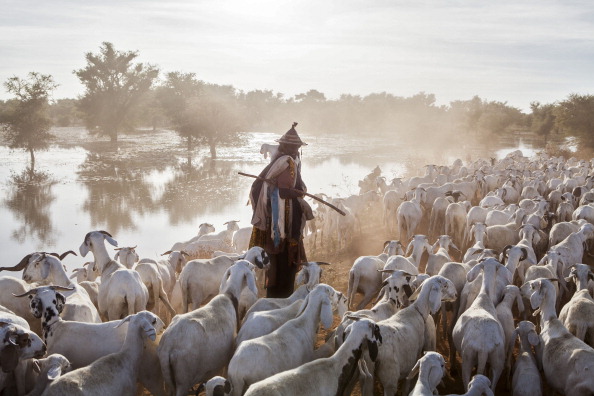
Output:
x,y
121,94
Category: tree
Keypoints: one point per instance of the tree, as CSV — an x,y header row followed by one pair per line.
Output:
x,y
576,116
543,119
204,113
26,121
178,90
114,88
215,115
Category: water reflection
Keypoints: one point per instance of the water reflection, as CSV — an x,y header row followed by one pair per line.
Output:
x,y
117,193
196,190
29,199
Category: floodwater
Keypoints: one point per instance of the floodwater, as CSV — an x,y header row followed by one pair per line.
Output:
x,y
149,193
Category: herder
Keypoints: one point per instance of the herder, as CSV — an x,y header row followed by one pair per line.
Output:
x,y
280,213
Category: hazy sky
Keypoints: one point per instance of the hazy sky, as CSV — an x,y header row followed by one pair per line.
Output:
x,y
515,51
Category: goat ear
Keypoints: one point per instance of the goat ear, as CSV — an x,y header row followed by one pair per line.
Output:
x,y
373,350
9,358
226,276
251,282
60,302
54,372
111,241
302,276
415,370
407,290
533,338
45,269
474,272
303,305
126,319
84,248
537,295
326,316
435,299
520,302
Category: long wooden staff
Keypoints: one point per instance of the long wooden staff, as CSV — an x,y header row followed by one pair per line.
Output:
x,y
296,190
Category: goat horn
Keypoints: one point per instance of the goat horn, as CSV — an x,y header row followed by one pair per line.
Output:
x,y
106,233
32,291
184,253
167,252
20,266
321,263
62,288
352,317
61,257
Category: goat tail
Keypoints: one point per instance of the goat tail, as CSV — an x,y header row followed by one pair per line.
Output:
x,y
131,301
183,284
168,374
165,299
352,288
482,362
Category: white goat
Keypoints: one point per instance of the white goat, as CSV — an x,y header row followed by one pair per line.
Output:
x,y
410,214
308,277
265,322
506,318
203,229
526,379
151,272
47,269
290,346
17,344
442,256
478,335
394,295
479,386
121,291
200,279
403,334
365,278
566,360
216,386
269,150
578,314
455,221
430,368
66,337
115,373
572,248
48,369
210,330
328,376
241,239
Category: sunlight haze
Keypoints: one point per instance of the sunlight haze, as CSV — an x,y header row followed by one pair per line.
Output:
x,y
511,51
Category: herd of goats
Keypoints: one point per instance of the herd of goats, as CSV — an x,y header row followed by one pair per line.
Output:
x,y
488,254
